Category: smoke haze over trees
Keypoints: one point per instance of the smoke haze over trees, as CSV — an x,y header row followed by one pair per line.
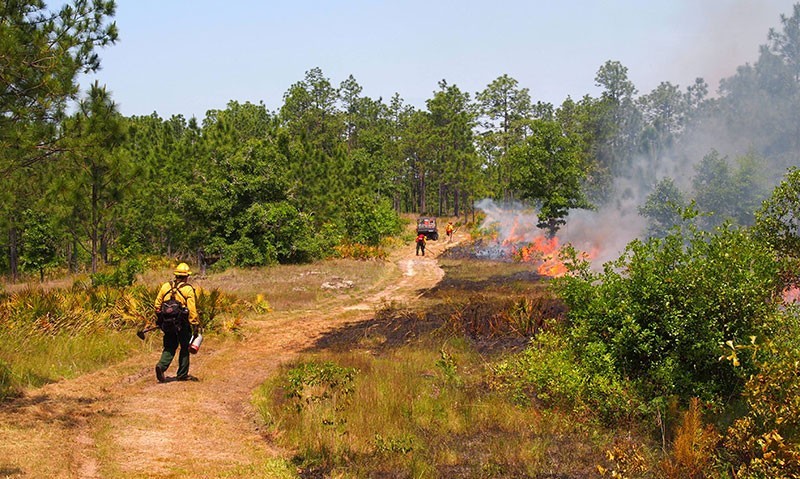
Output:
x,y
331,167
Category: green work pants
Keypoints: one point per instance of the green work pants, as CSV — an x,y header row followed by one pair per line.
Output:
x,y
171,342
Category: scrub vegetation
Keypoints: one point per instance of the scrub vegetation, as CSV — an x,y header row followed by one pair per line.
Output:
x,y
678,358
454,389
52,334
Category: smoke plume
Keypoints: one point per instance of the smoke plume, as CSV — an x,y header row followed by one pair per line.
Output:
x,y
602,233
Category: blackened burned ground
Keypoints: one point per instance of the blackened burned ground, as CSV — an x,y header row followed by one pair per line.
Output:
x,y
499,283
481,249
390,328
497,305
471,301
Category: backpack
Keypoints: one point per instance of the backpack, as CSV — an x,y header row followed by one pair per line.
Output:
x,y
421,239
173,313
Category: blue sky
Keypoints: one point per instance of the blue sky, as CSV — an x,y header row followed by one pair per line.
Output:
x,y
189,56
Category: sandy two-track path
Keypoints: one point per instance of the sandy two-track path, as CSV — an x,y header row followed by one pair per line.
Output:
x,y
121,423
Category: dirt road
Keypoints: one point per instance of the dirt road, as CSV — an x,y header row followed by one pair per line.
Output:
x,y
120,422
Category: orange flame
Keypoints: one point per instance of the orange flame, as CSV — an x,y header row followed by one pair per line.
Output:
x,y
524,242
791,295
545,251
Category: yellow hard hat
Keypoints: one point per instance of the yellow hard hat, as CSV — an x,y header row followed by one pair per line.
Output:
x,y
182,270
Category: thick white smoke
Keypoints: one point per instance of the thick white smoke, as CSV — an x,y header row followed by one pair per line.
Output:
x,y
603,233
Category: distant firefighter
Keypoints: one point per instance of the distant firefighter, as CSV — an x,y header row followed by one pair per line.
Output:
x,y
421,239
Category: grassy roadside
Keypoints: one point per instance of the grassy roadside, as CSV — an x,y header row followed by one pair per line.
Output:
x,y
56,332
298,287
454,388
51,334
413,393
417,412
36,360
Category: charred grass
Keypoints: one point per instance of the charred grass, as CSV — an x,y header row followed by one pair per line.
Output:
x,y
411,393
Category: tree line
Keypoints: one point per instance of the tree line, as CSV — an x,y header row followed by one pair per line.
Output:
x,y
87,186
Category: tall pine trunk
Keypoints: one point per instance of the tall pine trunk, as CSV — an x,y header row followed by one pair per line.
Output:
x,y
442,194
104,247
73,255
94,226
13,254
421,186
94,252
467,207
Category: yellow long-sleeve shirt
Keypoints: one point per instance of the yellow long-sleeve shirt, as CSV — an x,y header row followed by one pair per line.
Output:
x,y
186,297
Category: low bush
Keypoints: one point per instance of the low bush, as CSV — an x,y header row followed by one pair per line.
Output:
x,y
660,311
121,276
367,220
765,442
550,374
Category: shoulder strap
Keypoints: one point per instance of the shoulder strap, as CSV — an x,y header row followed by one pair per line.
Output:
x,y
178,287
174,287
163,296
190,287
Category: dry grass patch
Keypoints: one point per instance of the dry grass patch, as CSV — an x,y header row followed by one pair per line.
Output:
x,y
421,402
416,411
287,287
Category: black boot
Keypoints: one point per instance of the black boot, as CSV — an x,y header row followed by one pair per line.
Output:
x,y
160,374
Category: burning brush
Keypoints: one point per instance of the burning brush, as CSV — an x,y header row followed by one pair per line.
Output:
x,y
541,250
517,237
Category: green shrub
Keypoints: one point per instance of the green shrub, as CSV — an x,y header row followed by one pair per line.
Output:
x,y
121,276
244,252
367,221
765,442
663,308
549,373
778,220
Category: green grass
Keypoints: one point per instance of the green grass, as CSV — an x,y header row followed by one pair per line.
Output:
x,y
271,469
426,399
36,360
418,411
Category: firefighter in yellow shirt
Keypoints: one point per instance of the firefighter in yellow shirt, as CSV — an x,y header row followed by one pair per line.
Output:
x,y
176,310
